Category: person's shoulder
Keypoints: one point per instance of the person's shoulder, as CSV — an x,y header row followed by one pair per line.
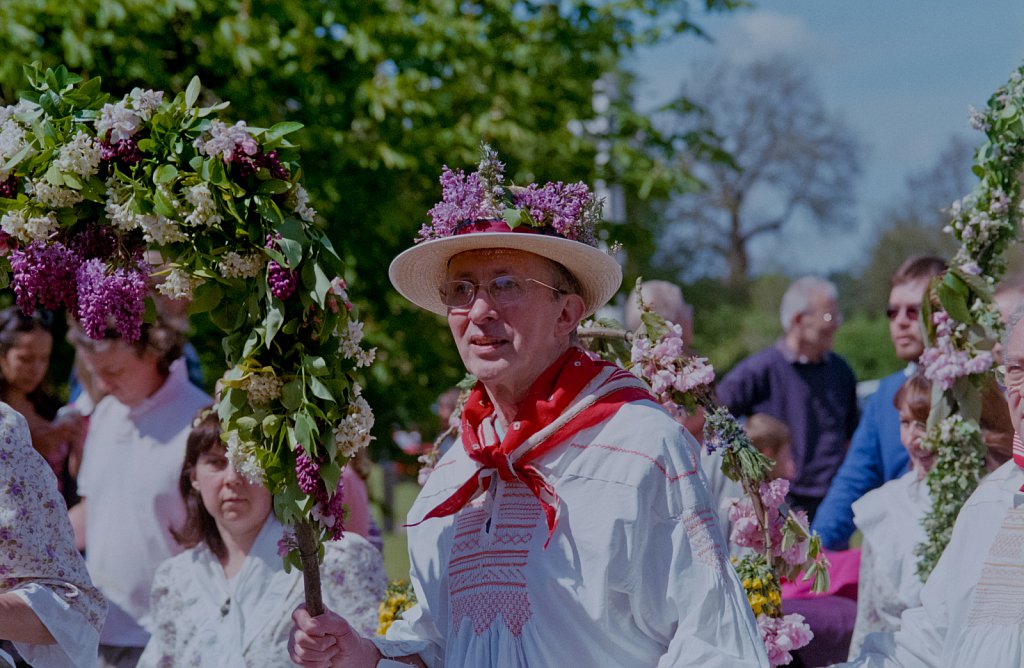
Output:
x,y
759,360
999,486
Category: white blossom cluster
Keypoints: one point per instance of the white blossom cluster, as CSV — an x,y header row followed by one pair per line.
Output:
x,y
160,229
263,388
12,140
27,228
55,197
79,156
302,207
234,265
146,101
179,284
348,345
223,138
353,432
122,120
118,206
242,455
204,211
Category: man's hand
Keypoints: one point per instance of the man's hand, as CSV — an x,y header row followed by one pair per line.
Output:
x,y
328,641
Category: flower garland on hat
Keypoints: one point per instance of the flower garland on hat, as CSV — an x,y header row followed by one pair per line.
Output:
x,y
89,185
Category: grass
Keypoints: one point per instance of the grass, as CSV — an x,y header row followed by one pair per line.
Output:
x,y
396,555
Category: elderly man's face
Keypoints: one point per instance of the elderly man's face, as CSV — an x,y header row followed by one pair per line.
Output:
x,y
1013,357
818,324
508,346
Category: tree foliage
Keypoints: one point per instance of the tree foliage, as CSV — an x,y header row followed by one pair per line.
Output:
x,y
790,155
388,91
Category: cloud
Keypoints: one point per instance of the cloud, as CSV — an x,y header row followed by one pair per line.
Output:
x,y
761,34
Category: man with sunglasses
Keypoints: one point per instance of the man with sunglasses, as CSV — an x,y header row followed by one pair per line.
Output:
x,y
573,526
876,454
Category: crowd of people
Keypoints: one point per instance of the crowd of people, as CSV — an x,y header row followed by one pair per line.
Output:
x,y
570,521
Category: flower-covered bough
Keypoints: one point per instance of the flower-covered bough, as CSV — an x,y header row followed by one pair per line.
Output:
x,y
962,323
101,199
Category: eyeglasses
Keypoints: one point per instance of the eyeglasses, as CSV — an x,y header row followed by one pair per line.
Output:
x,y
503,291
913,312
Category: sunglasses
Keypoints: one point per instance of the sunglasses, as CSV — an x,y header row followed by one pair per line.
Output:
x,y
913,312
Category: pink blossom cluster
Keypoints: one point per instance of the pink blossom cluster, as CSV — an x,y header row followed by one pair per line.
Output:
x,y
667,368
747,531
463,198
782,635
328,508
943,364
561,206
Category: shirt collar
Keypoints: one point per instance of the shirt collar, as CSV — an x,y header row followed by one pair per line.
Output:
x,y
177,376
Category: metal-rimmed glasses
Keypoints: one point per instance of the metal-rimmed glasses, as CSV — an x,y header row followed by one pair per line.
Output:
x,y
503,291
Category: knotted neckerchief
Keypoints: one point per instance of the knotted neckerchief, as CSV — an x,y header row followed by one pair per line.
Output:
x,y
571,395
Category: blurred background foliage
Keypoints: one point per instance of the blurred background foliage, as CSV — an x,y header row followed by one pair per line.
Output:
x,y
390,90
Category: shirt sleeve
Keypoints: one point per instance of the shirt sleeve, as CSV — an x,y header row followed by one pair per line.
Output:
x,y
860,472
683,579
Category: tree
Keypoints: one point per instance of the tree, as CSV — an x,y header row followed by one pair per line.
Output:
x,y
388,91
913,222
789,155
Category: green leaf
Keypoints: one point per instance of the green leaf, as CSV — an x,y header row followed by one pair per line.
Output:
x,y
291,394
273,187
320,390
206,296
323,285
304,429
331,474
272,424
954,300
252,342
273,322
269,210
165,174
192,92
279,130
292,251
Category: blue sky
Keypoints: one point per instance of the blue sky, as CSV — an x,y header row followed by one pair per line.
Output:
x,y
901,73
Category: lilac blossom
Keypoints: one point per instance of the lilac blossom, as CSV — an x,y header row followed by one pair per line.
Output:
x,y
44,276
115,298
463,198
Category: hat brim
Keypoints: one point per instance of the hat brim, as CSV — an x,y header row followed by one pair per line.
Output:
x,y
418,272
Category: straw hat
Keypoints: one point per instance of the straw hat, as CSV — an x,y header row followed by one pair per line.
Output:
x,y
418,272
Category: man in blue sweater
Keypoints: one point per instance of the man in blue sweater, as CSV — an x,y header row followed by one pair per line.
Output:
x,y
876,454
801,382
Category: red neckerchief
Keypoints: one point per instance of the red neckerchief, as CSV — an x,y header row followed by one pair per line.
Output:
x,y
1018,453
571,395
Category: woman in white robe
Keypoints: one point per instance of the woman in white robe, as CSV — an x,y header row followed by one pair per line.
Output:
x,y
48,605
226,602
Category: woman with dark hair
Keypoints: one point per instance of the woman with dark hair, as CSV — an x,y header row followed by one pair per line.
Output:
x,y
26,342
226,601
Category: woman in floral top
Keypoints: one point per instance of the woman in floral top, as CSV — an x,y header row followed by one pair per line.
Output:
x,y
48,606
227,601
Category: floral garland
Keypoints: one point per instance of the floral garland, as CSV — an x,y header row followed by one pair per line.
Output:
x,y
87,186
778,541
962,323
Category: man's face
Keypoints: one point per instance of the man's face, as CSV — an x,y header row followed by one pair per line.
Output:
x,y
904,313
507,346
1013,357
818,324
123,373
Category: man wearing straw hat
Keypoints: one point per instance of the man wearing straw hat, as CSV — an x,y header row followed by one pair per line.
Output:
x,y
573,526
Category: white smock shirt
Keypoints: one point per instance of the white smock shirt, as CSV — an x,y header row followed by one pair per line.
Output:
x,y
635,573
972,607
889,519
202,619
129,478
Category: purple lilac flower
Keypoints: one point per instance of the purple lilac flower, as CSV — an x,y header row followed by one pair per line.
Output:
x,y
95,241
308,473
111,298
44,276
329,508
462,198
558,205
282,281
126,151
249,164
9,187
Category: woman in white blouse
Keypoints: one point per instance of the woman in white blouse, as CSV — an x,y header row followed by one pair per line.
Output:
x,y
227,600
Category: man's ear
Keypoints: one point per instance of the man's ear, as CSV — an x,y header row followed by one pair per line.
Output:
x,y
569,319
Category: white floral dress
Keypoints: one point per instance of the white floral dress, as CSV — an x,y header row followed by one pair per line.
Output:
x,y
200,619
38,559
